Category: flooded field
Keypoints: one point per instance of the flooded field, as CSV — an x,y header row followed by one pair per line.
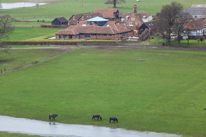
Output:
x,y
18,5
36,127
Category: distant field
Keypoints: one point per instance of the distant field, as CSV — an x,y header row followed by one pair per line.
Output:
x,y
68,8
18,57
29,23
32,34
164,93
6,134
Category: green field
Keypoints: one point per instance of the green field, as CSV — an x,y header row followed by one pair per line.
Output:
x,y
19,57
29,23
67,8
6,134
32,34
164,93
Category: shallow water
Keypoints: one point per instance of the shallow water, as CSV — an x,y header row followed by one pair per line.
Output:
x,y
18,5
42,128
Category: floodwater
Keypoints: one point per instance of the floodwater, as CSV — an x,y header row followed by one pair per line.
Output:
x,y
18,5
42,128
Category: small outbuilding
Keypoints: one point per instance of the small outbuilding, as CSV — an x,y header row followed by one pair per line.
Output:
x,y
60,21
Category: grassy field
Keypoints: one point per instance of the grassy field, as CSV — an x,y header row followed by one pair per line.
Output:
x,y
192,43
32,34
30,23
164,93
19,57
67,8
6,134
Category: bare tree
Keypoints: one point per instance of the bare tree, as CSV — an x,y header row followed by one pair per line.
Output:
x,y
179,24
167,18
114,2
5,27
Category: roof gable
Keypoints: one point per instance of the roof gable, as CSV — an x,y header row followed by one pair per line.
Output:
x,y
62,19
106,13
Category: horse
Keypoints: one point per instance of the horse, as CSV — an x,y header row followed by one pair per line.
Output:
x,y
97,116
113,118
53,116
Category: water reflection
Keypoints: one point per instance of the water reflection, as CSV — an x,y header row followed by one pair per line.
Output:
x,y
18,5
42,128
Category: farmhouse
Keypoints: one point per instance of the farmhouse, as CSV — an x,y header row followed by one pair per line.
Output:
x,y
196,27
76,18
151,25
95,28
110,14
197,11
145,17
60,21
133,21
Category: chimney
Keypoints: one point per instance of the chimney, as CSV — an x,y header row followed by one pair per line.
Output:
x,y
135,8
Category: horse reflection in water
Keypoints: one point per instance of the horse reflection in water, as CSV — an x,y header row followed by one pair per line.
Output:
x,y
52,116
52,123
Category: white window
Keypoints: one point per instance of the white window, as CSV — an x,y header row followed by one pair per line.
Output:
x,y
132,19
73,17
131,24
135,23
82,17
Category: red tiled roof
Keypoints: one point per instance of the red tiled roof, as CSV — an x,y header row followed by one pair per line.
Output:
x,y
151,24
91,15
109,28
106,13
77,16
142,14
197,24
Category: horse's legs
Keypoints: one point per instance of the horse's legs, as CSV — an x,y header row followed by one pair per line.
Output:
x,y
49,118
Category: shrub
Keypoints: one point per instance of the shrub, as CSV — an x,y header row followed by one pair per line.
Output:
x,y
201,38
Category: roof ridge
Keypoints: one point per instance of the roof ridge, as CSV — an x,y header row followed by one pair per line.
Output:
x,y
111,30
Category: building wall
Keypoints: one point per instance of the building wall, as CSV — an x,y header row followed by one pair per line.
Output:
x,y
56,22
133,19
101,36
73,21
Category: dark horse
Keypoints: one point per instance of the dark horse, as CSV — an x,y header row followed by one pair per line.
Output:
x,y
97,116
113,118
53,116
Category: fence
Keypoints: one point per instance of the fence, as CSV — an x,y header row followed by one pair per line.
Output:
x,y
26,26
54,26
62,43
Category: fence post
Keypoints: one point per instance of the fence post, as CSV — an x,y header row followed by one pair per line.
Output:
x,y
1,71
4,69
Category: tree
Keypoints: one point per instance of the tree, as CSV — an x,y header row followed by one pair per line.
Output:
x,y
167,17
114,2
5,28
179,24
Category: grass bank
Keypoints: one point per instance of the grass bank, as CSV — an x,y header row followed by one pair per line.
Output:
x,y
164,93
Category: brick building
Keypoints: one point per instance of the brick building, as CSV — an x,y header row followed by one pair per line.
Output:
x,y
95,28
135,19
60,21
110,14
76,18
